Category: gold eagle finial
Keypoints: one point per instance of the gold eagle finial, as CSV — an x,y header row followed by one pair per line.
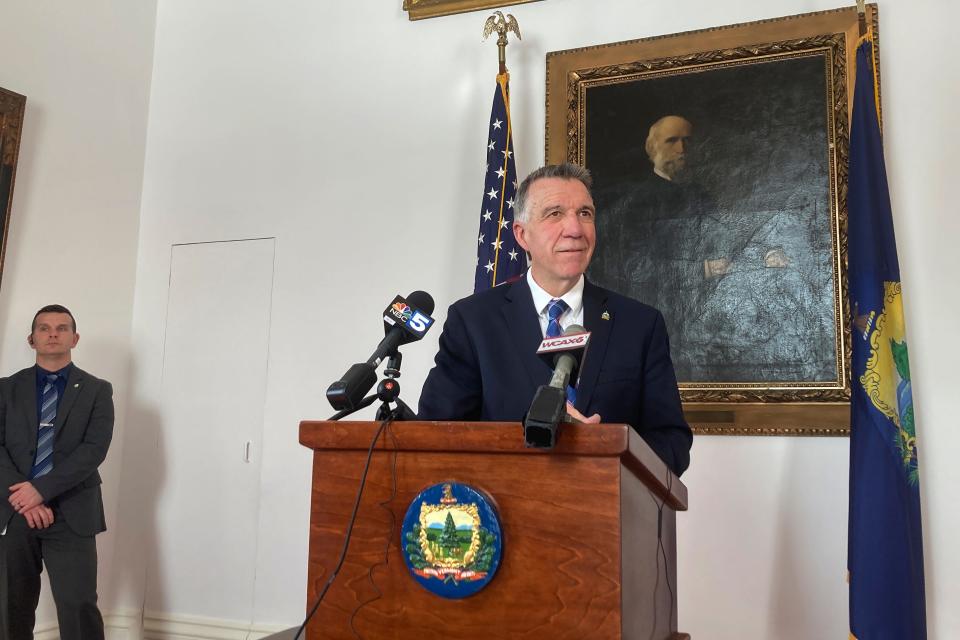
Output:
x,y
502,25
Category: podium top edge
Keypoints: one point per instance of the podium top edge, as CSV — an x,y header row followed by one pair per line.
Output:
x,y
503,438
462,437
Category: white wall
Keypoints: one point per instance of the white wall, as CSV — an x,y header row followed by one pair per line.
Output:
x,y
921,88
355,138
85,69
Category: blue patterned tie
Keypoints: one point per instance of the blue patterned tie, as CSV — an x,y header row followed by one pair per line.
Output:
x,y
555,309
48,414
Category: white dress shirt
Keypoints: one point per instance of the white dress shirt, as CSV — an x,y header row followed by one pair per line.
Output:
x,y
541,300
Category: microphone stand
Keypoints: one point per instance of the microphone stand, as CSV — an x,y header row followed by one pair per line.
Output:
x,y
388,391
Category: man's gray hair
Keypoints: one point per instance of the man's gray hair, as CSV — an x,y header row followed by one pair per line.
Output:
x,y
565,171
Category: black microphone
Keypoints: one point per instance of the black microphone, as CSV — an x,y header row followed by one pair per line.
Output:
x,y
404,320
548,408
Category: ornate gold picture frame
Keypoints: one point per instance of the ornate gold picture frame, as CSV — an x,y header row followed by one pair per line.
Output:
x,y
419,9
720,166
11,124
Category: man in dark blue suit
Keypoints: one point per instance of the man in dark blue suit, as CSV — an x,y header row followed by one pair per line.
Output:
x,y
487,367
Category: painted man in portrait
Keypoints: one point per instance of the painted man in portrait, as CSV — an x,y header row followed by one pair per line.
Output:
x,y
656,235
717,273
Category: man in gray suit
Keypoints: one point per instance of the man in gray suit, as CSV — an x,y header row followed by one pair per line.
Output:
x,y
56,422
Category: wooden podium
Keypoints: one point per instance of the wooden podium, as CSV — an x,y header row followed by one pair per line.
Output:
x,y
581,552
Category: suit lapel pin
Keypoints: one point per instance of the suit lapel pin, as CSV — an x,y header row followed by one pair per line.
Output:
x,y
76,385
605,315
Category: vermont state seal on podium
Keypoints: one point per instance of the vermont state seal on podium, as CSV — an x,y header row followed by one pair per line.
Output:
x,y
452,540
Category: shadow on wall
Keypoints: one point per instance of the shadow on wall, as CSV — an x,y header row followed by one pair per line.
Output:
x,y
18,355
142,479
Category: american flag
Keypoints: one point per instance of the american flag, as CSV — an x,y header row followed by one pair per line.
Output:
x,y
499,258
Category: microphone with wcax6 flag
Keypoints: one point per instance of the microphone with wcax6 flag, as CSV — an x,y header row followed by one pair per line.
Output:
x,y
404,320
563,353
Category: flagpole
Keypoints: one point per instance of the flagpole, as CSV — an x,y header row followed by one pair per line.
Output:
x,y
499,258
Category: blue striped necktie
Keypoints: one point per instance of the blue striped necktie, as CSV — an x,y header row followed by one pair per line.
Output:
x,y
48,414
555,309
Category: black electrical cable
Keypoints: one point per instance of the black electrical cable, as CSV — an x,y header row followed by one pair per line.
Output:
x,y
660,536
661,551
346,539
393,527
653,627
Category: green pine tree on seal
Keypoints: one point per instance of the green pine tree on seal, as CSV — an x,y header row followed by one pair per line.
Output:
x,y
449,540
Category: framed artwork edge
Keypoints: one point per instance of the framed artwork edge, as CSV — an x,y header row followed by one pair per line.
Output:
x,y
12,109
559,63
421,9
816,409
769,419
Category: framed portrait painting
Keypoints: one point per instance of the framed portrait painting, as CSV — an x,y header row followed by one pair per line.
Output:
x,y
11,124
720,160
420,9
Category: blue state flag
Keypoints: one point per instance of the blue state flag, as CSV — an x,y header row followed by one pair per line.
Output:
x,y
885,553
499,257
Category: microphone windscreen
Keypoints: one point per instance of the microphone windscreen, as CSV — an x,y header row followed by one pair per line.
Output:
x,y
421,300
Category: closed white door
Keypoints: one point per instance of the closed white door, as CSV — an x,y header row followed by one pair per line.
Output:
x,y
214,386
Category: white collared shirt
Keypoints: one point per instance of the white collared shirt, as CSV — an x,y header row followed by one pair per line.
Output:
x,y
541,300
